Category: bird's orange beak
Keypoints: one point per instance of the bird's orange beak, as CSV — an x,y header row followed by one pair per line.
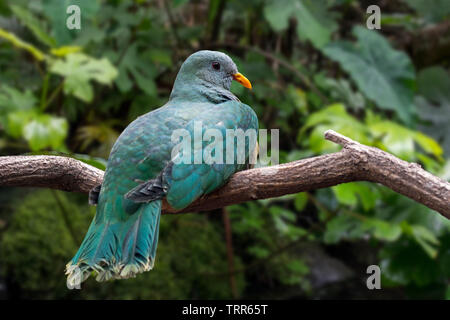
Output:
x,y
239,77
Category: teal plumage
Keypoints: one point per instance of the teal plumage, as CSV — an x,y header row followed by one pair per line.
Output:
x,y
141,169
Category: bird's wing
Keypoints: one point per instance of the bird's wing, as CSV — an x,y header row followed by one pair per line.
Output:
x,y
185,181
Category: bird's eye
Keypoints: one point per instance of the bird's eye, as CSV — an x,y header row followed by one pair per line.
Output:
x,y
216,65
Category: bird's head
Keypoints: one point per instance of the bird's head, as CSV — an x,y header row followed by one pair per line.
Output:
x,y
212,67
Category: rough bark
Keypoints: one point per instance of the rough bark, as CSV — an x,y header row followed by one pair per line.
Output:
x,y
355,162
54,172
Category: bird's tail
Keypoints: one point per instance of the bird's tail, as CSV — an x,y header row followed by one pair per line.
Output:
x,y
118,250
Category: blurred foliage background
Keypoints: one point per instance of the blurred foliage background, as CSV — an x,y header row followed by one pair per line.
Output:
x,y
314,66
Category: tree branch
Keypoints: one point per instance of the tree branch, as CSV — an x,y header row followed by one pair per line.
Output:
x,y
355,162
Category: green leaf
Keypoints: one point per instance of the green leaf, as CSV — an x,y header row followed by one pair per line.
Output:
x,y
301,200
297,97
283,221
433,11
161,56
423,236
433,103
403,262
353,226
314,22
45,131
349,193
383,230
55,10
259,252
41,131
428,144
298,267
36,134
36,26
278,13
140,67
400,140
384,75
16,121
341,90
79,69
12,99
79,87
333,117
343,227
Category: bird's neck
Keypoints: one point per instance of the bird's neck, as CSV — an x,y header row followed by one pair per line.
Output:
x,y
199,91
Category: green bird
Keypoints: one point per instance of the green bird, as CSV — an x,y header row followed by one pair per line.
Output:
x,y
144,168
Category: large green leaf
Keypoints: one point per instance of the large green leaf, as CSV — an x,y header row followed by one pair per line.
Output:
x,y
400,140
341,90
349,193
434,103
384,75
12,99
41,131
46,131
423,236
383,230
16,121
314,21
139,67
388,135
403,262
79,69
353,227
433,11
35,25
333,117
55,10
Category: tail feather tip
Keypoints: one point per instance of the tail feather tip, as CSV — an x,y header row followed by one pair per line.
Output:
x,y
77,274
